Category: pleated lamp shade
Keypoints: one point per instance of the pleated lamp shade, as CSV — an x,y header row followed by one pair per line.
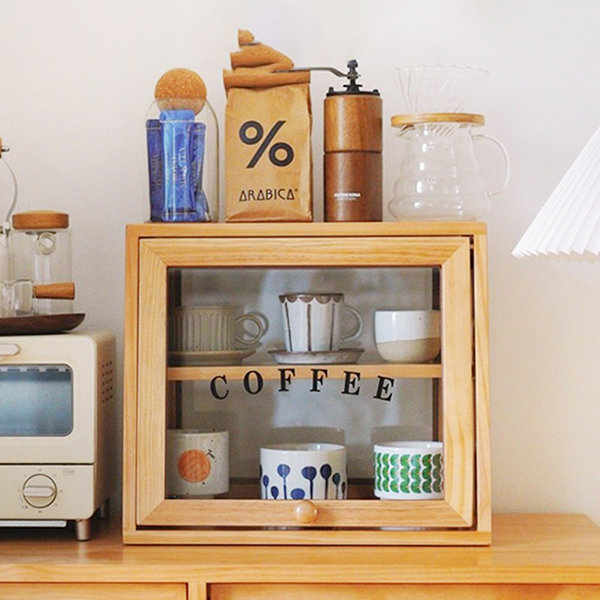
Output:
x,y
569,222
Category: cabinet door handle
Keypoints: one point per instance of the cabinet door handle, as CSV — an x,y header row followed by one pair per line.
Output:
x,y
305,512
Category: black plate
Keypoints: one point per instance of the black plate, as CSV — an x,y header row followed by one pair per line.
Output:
x,y
36,324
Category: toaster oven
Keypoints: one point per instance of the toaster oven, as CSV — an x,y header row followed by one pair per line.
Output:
x,y
57,409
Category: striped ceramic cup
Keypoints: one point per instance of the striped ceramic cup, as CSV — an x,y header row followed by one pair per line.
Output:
x,y
312,322
213,328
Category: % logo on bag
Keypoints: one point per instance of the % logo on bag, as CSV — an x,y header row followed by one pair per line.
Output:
x,y
251,133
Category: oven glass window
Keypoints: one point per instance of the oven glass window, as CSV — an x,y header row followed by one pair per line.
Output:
x,y
36,400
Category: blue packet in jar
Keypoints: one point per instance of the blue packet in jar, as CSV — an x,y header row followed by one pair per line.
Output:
x,y
155,168
175,160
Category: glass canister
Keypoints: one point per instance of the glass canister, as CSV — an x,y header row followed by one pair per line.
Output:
x,y
183,151
41,251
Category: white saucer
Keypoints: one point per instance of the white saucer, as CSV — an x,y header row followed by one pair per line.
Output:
x,y
324,357
208,357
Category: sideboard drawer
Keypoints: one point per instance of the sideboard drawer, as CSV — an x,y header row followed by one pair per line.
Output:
x,y
364,591
93,591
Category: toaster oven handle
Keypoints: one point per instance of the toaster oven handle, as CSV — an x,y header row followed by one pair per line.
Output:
x,y
8,350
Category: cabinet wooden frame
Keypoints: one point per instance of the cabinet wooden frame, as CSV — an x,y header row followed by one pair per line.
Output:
x,y
457,249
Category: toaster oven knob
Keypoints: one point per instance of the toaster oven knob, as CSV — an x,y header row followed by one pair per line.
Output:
x,y
8,350
39,491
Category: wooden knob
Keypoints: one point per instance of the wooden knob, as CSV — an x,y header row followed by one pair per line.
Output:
x,y
305,512
64,290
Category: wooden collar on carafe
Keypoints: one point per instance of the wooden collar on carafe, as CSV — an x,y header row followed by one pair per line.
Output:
x,y
415,118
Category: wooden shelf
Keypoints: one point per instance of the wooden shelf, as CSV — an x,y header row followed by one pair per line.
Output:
x,y
249,489
273,372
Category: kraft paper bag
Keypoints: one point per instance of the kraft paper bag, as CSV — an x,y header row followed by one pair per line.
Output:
x,y
268,163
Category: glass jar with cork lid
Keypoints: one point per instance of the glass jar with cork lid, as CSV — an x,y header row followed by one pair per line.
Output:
x,y
41,251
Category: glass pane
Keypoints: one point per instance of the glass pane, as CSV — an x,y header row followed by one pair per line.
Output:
x,y
354,417
349,408
36,400
229,337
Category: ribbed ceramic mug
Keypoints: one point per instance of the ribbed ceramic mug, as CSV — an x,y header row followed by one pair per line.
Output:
x,y
311,471
213,328
197,462
312,322
409,470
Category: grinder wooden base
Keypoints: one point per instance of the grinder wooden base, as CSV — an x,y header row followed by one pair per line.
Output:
x,y
353,186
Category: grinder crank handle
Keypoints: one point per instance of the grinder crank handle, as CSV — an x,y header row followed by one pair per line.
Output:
x,y
352,74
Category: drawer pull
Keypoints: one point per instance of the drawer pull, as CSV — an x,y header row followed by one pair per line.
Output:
x,y
305,512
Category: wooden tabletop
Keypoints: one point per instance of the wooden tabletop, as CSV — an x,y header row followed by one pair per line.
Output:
x,y
526,548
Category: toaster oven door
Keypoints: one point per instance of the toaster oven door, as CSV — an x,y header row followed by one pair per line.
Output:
x,y
39,420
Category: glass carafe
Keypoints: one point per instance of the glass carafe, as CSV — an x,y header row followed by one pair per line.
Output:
x,y
439,176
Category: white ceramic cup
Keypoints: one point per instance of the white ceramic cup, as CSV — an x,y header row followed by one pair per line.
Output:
x,y
303,471
409,470
197,462
407,336
312,322
213,328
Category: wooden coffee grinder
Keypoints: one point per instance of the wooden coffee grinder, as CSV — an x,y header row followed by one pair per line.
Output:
x,y
353,152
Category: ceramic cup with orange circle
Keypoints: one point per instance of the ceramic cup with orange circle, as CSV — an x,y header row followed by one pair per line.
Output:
x,y
197,462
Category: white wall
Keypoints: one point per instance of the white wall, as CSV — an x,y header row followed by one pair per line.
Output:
x,y
76,79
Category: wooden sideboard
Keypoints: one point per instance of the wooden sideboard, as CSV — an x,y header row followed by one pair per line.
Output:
x,y
532,556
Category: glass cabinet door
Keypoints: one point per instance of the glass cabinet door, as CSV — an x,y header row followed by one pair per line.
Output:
x,y
248,389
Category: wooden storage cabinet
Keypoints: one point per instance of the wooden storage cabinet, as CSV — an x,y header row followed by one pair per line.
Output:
x,y
453,258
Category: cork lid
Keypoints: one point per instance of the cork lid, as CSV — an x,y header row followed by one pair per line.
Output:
x,y
40,219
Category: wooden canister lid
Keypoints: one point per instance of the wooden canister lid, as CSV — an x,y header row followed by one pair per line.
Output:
x,y
352,123
413,119
40,219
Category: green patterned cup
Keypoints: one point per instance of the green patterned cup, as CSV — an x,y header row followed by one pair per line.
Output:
x,y
409,470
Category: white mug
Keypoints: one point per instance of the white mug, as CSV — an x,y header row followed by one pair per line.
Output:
x,y
407,336
295,471
213,328
312,322
197,462
409,470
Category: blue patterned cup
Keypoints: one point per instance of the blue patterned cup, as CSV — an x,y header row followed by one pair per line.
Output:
x,y
311,471
409,470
